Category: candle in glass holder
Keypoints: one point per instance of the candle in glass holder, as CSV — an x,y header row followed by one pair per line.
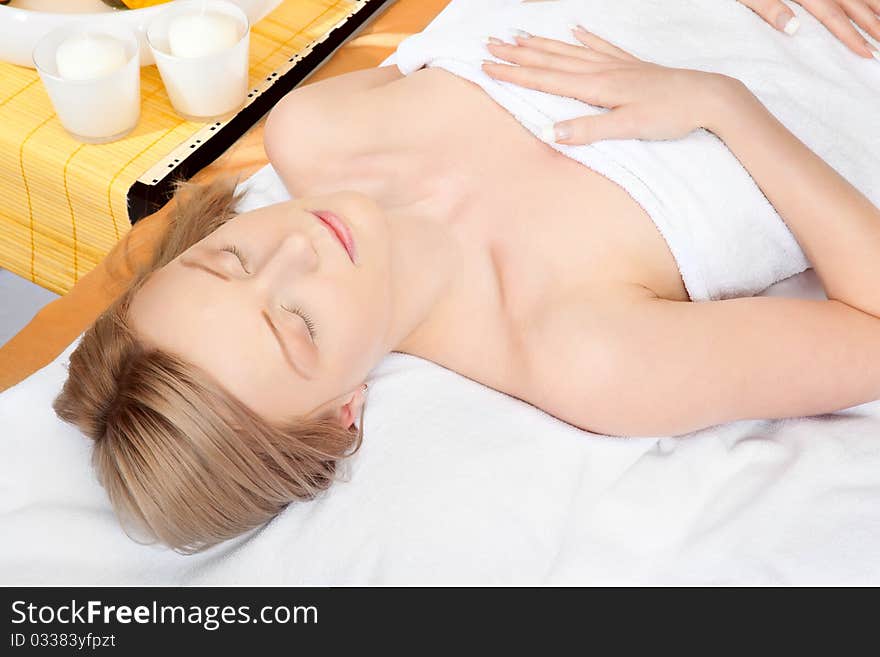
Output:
x,y
92,74
201,49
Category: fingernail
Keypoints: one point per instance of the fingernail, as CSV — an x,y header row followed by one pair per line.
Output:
x,y
874,52
522,34
556,132
579,28
563,131
787,22
494,40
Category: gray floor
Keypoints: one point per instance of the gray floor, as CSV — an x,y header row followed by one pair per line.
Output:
x,y
19,301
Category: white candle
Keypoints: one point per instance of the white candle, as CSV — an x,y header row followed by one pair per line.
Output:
x,y
89,56
197,35
93,79
201,49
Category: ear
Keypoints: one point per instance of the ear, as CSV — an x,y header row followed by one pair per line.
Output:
x,y
350,408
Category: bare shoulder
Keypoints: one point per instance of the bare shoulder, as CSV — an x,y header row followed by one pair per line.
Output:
x,y
309,123
312,101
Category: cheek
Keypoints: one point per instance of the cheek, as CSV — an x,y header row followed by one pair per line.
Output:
x,y
364,289
357,309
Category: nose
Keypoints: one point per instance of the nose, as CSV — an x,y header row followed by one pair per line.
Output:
x,y
296,251
293,255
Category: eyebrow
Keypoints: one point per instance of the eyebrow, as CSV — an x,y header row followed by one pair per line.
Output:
x,y
281,343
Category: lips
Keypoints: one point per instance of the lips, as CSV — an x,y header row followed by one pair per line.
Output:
x,y
339,230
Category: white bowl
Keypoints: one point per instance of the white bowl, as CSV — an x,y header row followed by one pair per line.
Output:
x,y
20,29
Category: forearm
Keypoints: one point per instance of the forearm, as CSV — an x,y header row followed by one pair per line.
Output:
x,y
836,226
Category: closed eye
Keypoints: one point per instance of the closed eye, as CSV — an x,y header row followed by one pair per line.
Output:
x,y
234,250
310,325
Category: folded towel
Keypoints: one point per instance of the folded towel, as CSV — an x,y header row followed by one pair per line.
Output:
x,y
725,236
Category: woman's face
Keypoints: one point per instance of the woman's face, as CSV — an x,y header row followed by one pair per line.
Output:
x,y
272,306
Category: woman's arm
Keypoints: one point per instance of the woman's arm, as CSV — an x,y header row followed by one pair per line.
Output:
x,y
835,225
653,367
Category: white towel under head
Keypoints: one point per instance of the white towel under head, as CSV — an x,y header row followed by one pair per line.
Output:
x,y
725,236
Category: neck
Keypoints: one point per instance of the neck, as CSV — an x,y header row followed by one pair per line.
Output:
x,y
424,260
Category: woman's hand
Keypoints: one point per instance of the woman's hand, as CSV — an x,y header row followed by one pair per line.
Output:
x,y
837,15
647,101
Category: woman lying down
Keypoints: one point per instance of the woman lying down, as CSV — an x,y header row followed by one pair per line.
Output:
x,y
435,215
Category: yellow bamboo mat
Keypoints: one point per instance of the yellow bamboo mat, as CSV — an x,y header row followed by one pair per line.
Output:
x,y
63,204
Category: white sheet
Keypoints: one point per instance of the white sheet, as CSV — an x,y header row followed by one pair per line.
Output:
x,y
460,484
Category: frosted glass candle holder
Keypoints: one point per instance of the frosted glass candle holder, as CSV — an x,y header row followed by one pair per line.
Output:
x,y
203,65
97,92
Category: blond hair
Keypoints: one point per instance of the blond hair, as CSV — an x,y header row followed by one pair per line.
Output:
x,y
181,459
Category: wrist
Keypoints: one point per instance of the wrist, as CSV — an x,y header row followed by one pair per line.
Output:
x,y
724,99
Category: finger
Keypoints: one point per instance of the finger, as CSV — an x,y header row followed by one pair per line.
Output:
x,y
562,48
839,24
597,43
541,79
615,124
865,18
776,13
540,58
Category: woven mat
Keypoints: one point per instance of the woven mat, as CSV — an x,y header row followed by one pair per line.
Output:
x,y
63,203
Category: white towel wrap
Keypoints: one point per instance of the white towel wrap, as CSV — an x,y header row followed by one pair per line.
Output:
x,y
727,239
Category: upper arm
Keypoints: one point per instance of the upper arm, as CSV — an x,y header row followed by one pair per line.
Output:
x,y
665,367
